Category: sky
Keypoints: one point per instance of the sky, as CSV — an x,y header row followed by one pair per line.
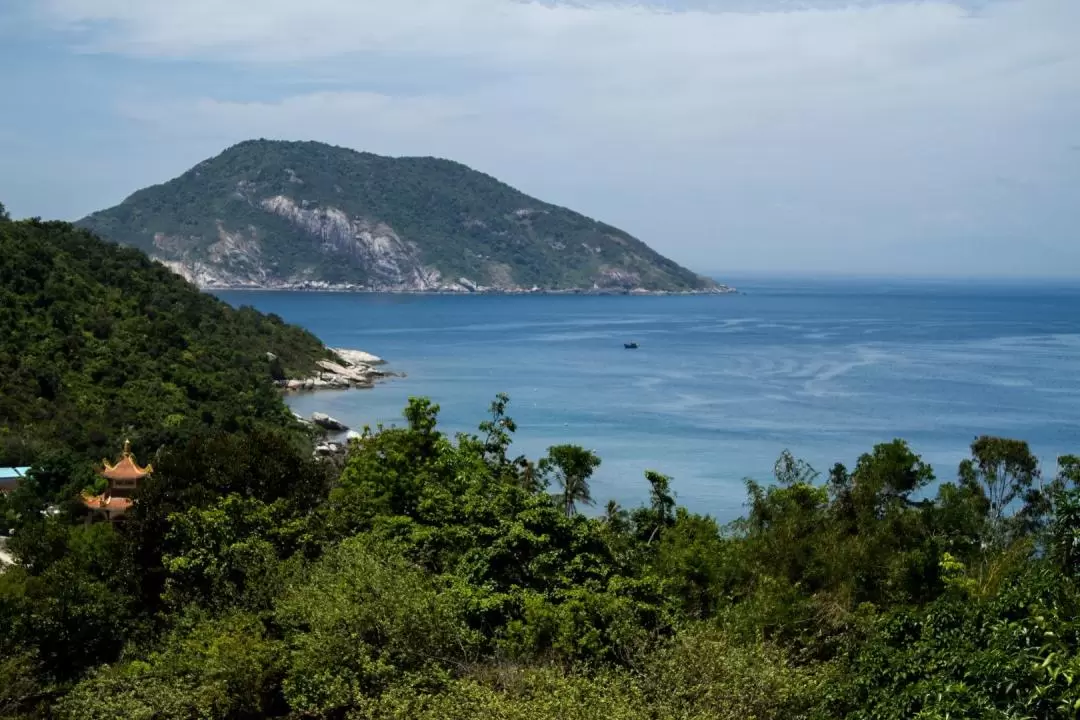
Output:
x,y
895,137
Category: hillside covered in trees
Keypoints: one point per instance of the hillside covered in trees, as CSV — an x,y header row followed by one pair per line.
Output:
x,y
443,578
439,577
98,342
268,213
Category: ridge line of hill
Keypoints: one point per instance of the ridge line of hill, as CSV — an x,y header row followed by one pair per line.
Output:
x,y
309,216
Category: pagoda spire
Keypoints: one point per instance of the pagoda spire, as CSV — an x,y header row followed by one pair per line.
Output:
x,y
123,477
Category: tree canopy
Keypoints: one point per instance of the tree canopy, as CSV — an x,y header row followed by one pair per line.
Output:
x,y
98,343
438,577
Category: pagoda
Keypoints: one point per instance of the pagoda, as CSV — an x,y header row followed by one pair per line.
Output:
x,y
123,479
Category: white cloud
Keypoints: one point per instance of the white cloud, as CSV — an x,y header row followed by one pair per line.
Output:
x,y
849,124
322,112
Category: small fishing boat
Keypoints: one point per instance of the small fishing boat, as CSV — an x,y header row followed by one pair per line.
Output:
x,y
630,345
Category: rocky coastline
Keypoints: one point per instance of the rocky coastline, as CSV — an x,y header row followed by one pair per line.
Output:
x,y
333,436
211,278
348,369
321,286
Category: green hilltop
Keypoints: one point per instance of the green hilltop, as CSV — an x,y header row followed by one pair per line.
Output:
x,y
304,214
98,342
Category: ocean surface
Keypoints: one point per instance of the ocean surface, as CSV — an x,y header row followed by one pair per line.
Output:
x,y
722,384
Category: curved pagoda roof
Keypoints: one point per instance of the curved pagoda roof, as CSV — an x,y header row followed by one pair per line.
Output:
x,y
104,502
125,468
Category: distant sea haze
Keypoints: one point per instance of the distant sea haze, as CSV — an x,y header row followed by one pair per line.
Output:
x,y
720,385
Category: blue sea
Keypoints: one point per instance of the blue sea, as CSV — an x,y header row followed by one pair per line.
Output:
x,y
720,385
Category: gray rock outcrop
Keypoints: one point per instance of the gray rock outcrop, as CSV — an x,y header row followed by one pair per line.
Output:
x,y
350,369
328,423
358,357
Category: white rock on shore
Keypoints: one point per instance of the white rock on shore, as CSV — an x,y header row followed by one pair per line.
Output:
x,y
354,371
356,374
328,423
357,357
326,449
6,558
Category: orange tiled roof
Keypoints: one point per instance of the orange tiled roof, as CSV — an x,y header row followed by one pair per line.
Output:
x,y
101,502
126,468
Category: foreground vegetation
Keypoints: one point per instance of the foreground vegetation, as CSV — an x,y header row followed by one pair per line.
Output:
x,y
439,577
98,342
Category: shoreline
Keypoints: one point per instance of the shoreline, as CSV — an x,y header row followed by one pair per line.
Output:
x,y
357,370
351,369
346,289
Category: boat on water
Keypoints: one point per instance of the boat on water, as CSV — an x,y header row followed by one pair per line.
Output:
x,y
630,345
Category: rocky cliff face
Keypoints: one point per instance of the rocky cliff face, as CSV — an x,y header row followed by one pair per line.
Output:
x,y
390,262
309,216
236,259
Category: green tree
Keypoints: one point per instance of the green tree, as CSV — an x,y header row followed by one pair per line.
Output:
x,y
615,517
363,620
216,510
786,520
231,554
571,466
20,685
205,668
1011,654
880,543
661,501
694,560
1063,533
498,431
789,470
99,343
70,617
1006,472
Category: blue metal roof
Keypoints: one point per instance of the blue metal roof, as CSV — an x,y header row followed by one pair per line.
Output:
x,y
10,473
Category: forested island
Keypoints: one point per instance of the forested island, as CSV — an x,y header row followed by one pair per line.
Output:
x,y
311,216
435,576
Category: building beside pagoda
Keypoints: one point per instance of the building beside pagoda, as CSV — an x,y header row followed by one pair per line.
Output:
x,y
123,478
10,477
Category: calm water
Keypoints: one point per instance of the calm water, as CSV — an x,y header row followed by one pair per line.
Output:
x,y
721,385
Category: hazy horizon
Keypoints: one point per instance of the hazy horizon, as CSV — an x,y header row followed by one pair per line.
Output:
x,y
1058,281
893,138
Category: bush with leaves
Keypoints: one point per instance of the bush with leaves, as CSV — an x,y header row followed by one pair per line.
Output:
x,y
1011,654
364,620
225,668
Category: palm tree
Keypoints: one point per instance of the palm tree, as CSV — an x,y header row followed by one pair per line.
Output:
x,y
661,500
527,474
615,517
571,466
